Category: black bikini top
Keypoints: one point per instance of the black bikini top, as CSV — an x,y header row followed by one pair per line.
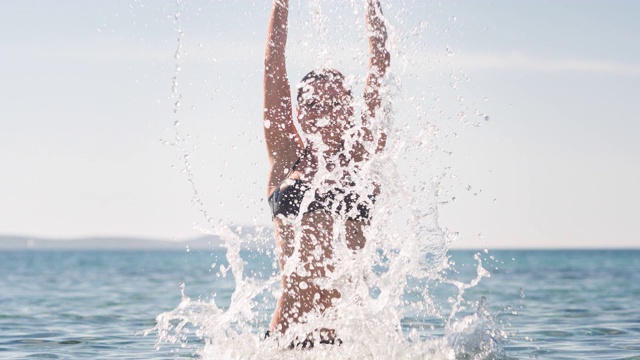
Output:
x,y
287,198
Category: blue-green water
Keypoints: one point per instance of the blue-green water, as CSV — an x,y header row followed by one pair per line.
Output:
x,y
87,304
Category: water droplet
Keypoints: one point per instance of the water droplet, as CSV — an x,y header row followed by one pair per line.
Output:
x,y
450,51
267,123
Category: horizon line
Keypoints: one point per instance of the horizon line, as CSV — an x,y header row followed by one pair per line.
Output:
x,y
174,243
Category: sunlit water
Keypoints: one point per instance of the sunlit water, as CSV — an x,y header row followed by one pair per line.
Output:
x,y
545,304
396,277
403,295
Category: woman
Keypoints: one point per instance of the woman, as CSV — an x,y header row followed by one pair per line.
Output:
x,y
309,185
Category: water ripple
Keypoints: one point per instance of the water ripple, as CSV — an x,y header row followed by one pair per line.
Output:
x,y
110,303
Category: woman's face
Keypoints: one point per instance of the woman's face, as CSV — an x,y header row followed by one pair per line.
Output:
x,y
325,109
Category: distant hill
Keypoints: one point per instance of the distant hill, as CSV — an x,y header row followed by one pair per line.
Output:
x,y
104,243
208,242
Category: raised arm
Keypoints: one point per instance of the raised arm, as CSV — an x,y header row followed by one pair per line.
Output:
x,y
283,141
379,61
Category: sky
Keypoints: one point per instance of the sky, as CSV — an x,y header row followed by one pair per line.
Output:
x,y
524,111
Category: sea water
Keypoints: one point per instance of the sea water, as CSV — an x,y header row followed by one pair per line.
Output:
x,y
563,304
404,295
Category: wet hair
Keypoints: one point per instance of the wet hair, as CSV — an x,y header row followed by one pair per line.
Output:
x,y
322,74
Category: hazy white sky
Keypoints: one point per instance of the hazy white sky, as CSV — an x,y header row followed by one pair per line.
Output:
x,y
87,109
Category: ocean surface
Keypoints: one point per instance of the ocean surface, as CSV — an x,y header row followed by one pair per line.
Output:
x,y
561,304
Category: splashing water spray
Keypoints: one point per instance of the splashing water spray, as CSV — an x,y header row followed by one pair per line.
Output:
x,y
388,306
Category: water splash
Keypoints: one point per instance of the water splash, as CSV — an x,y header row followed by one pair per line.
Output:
x,y
389,306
